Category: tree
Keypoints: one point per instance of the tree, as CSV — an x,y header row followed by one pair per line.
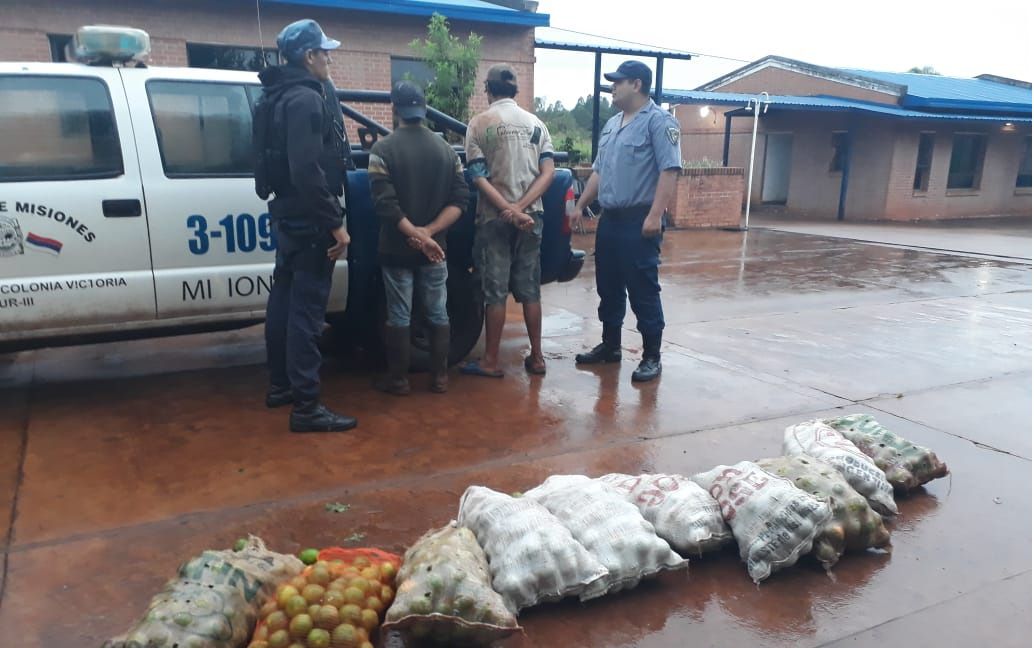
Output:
x,y
454,65
582,112
926,69
571,130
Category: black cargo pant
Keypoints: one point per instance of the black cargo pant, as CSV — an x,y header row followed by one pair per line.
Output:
x,y
626,264
296,311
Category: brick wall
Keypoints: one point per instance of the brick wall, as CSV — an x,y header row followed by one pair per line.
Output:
x,y
708,197
997,194
369,40
23,45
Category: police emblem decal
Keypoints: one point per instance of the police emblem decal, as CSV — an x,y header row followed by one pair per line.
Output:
x,y
11,242
673,135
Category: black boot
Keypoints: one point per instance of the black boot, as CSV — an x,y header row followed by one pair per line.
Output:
x,y
608,351
278,396
396,343
440,359
313,416
650,366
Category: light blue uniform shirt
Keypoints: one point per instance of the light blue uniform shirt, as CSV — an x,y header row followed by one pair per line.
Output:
x,y
630,159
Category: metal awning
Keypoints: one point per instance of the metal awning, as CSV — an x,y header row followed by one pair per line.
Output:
x,y
599,50
824,103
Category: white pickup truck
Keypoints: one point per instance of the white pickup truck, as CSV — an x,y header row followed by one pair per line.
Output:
x,y
127,200
127,206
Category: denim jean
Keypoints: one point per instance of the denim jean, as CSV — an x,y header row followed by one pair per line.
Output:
x,y
430,283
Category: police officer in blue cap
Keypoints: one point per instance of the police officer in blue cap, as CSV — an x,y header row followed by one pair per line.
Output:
x,y
296,142
634,175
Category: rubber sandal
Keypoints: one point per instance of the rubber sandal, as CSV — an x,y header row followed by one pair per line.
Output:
x,y
529,366
472,368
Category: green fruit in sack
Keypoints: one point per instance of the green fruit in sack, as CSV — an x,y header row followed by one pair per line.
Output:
x,y
906,464
854,524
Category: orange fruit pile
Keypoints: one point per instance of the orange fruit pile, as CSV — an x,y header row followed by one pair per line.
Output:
x,y
332,604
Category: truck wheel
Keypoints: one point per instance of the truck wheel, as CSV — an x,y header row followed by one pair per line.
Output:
x,y
466,317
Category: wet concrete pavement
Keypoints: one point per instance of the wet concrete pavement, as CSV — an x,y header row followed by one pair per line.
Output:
x,y
1007,238
119,461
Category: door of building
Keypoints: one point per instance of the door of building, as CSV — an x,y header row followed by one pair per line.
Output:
x,y
775,183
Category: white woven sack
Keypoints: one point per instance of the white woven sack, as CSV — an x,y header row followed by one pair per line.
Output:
x,y
680,510
532,556
774,521
817,439
610,527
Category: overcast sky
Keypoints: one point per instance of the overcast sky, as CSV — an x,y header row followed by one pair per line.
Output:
x,y
964,39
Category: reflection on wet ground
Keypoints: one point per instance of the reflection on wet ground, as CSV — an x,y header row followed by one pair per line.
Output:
x,y
118,461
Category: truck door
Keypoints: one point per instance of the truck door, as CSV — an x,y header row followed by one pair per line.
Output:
x,y
213,244
74,247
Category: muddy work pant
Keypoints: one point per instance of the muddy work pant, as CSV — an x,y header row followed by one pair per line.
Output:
x,y
296,312
626,264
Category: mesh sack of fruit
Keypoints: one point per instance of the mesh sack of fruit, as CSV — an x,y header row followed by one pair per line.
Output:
x,y
532,556
905,464
816,439
214,600
854,524
774,522
336,602
610,527
445,593
680,510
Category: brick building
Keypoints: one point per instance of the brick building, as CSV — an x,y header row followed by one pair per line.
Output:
x,y
375,34
867,145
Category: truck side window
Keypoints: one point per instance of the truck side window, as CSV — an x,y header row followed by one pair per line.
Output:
x,y
204,129
57,128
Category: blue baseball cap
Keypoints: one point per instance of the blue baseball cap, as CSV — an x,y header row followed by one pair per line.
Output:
x,y
301,36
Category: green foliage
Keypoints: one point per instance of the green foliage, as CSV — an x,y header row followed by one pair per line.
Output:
x,y
454,65
926,69
571,130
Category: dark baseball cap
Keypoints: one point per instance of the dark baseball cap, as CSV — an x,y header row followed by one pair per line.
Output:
x,y
501,73
409,101
631,70
301,36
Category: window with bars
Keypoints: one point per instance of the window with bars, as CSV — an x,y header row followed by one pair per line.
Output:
x,y
967,160
407,69
924,160
59,47
1023,175
230,57
839,142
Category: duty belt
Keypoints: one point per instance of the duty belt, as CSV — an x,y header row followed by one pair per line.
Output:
x,y
634,211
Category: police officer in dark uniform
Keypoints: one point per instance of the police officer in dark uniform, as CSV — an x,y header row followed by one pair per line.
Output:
x,y
304,169
634,175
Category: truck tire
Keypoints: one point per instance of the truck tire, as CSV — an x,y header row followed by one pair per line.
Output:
x,y
466,319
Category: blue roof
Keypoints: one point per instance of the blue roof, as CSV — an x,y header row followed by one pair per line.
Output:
x,y
822,103
934,92
472,10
